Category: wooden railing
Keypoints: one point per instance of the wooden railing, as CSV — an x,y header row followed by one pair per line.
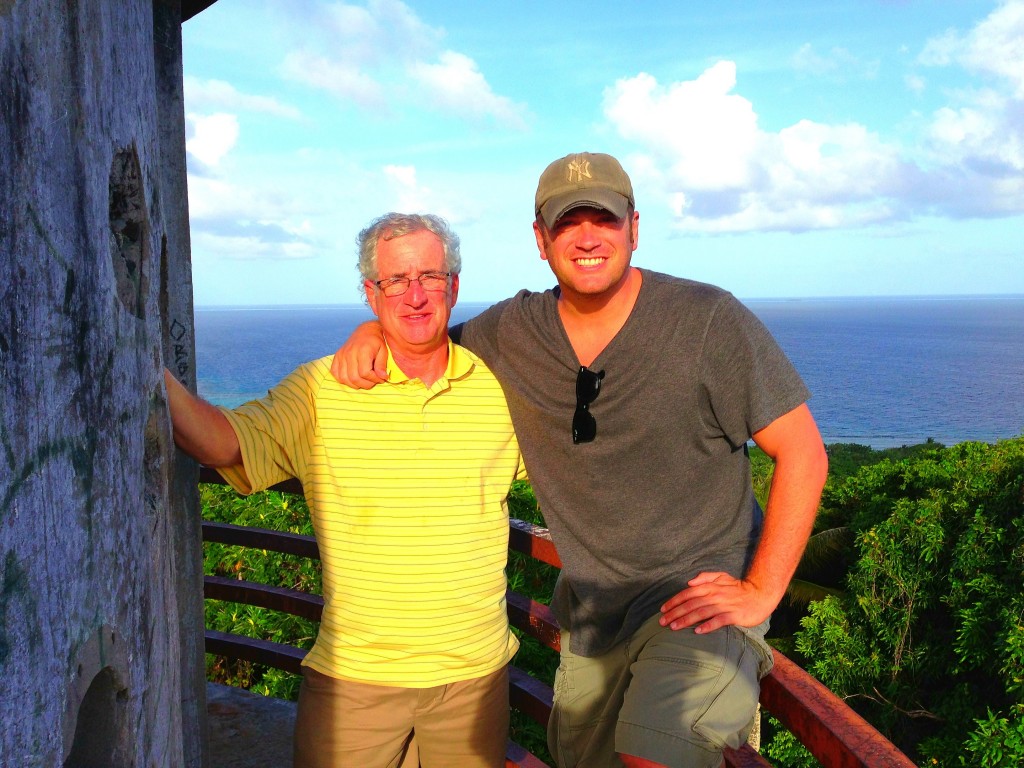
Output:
x,y
836,735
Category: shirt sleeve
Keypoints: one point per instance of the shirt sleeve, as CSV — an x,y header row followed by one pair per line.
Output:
x,y
274,433
748,379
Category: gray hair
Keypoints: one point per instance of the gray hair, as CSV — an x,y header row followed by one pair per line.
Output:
x,y
392,225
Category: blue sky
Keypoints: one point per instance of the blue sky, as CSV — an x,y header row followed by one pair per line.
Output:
x,y
776,149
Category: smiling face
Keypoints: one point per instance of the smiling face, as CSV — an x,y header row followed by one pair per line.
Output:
x,y
415,323
589,250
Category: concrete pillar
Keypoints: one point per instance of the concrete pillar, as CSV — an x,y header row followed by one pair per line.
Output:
x,y
100,574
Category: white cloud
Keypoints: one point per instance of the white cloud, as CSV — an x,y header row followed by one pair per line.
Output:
x,y
830,162
403,175
383,55
219,95
915,83
208,138
369,35
245,248
940,50
214,199
837,63
456,84
720,172
342,79
409,196
243,221
976,142
985,134
700,134
807,60
700,145
995,46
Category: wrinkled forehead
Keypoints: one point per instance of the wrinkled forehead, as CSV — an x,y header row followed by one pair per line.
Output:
x,y
410,254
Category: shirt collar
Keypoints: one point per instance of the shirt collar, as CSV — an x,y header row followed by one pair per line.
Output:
x,y
459,364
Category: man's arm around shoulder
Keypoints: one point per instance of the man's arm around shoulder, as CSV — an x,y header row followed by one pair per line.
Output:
x,y
361,362
200,429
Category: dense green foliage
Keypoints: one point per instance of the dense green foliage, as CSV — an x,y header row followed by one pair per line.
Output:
x,y
927,638
275,511
822,571
909,602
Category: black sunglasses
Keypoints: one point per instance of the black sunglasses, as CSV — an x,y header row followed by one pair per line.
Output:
x,y
588,387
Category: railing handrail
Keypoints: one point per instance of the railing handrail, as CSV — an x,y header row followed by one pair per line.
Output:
x,y
825,724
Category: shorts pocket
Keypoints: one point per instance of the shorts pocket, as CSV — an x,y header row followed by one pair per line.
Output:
x,y
731,704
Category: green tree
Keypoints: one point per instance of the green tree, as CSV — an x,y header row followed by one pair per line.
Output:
x,y
275,511
928,640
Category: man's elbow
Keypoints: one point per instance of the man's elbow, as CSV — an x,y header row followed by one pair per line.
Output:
x,y
811,453
218,459
795,443
224,451
226,458
818,464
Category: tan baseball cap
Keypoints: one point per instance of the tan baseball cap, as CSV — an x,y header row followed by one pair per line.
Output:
x,y
582,180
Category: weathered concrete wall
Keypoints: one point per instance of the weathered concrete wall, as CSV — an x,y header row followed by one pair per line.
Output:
x,y
100,581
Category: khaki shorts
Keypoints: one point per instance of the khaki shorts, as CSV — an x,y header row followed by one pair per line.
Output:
x,y
343,724
671,696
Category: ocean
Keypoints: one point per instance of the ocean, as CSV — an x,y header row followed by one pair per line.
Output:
x,y
883,372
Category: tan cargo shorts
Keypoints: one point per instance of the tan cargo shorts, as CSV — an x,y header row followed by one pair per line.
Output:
x,y
671,696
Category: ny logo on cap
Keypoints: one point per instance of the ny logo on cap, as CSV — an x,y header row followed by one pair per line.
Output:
x,y
578,169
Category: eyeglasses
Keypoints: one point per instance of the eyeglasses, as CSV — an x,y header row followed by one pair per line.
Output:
x,y
429,281
588,387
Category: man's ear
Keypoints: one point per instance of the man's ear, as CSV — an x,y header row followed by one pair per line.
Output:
x,y
371,296
541,240
455,289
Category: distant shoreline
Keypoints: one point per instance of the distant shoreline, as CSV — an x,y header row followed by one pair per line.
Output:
x,y
898,443
759,299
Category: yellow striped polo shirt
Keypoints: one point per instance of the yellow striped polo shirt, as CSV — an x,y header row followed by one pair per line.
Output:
x,y
407,489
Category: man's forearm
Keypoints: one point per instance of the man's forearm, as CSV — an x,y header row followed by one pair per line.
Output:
x,y
801,467
200,429
788,521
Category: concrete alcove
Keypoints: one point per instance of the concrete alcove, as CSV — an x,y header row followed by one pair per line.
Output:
x,y
98,706
129,230
100,718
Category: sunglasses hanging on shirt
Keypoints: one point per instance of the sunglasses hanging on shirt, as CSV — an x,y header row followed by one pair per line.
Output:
x,y
588,387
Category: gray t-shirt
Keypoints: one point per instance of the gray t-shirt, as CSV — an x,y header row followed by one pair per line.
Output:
x,y
664,491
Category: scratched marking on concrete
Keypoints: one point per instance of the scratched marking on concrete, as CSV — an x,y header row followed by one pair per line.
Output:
x,y
178,333
79,449
15,586
51,248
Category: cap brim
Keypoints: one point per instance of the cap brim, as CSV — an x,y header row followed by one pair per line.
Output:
x,y
604,199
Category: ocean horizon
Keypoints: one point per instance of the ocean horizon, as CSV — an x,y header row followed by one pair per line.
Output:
x,y
744,299
884,371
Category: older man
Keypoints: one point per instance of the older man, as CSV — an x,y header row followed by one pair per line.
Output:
x,y
634,394
406,486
